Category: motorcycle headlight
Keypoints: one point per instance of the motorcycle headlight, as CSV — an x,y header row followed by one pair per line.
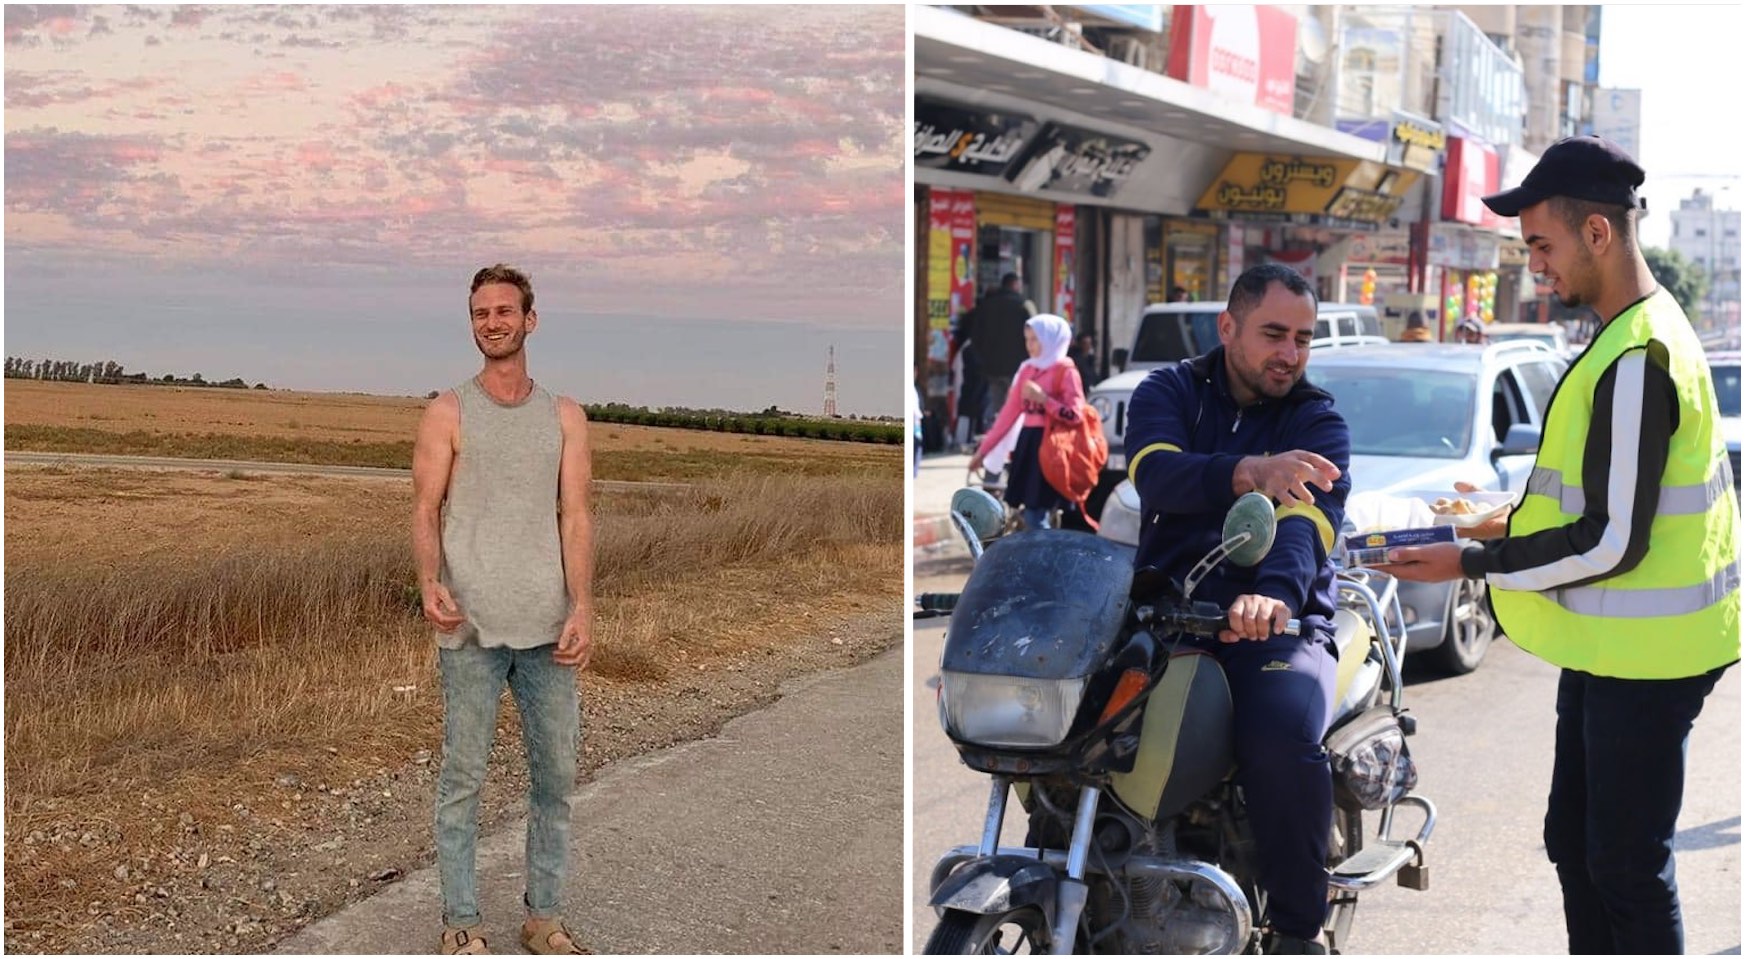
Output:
x,y
1008,710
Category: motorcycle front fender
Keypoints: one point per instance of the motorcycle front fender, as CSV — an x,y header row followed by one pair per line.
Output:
x,y
1000,884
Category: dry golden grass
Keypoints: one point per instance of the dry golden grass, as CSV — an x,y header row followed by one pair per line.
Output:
x,y
361,430
123,669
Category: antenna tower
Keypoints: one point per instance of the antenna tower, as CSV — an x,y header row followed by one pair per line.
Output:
x,y
830,384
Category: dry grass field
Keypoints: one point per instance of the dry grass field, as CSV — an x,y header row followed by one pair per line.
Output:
x,y
360,430
177,644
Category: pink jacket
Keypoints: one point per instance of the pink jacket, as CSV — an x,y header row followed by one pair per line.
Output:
x,y
1065,392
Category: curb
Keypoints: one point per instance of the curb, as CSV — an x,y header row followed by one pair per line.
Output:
x,y
936,541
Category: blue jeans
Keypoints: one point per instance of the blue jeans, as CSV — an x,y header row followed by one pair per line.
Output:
x,y
545,697
1035,517
1282,691
1616,787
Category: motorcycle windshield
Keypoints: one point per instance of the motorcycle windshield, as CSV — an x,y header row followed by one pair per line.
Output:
x,y
1047,604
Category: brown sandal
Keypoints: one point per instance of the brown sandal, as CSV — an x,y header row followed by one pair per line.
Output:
x,y
464,941
550,937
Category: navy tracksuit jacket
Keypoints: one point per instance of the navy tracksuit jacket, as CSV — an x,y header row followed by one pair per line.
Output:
x,y
1184,437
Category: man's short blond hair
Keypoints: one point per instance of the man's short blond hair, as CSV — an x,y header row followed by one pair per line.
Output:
x,y
503,273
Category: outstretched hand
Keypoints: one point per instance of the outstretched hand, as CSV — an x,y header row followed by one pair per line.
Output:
x,y
1435,563
1286,477
1496,527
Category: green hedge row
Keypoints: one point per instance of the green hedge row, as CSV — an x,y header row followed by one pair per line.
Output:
x,y
845,430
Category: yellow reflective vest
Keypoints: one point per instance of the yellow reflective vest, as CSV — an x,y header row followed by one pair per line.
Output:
x,y
1676,614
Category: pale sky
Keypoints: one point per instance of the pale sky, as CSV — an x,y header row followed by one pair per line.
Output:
x,y
1686,60
707,198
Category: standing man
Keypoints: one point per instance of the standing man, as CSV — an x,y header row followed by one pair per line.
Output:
x,y
504,548
1084,355
1205,431
997,330
1620,564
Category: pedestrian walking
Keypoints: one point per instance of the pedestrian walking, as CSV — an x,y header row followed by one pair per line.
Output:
x,y
1047,386
1620,565
503,545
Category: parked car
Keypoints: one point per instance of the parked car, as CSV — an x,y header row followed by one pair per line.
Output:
x,y
1553,335
1724,369
1423,417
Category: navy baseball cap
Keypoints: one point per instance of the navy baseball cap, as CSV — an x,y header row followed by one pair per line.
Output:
x,y
1585,168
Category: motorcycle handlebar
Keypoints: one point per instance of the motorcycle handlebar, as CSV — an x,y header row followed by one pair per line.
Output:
x,y
1206,619
931,605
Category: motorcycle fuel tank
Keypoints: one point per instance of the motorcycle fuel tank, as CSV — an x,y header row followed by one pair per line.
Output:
x,y
1047,604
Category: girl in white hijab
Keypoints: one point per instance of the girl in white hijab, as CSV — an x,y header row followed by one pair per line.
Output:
x,y
1047,386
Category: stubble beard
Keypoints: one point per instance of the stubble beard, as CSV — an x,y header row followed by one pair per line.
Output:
x,y
503,350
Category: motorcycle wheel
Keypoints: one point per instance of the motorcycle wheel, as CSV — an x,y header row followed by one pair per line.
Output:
x,y
968,934
1470,629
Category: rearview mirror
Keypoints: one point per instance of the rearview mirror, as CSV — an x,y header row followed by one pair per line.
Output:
x,y
1119,359
979,517
1521,440
1252,517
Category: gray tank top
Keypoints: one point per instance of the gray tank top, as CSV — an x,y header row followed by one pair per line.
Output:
x,y
500,554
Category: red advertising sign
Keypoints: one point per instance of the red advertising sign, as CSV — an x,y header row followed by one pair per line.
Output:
x,y
1248,53
1065,260
951,228
1472,173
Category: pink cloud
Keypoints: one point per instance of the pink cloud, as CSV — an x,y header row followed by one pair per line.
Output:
x,y
376,97
315,155
738,95
276,81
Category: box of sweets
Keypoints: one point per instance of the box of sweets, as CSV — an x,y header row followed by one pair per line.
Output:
x,y
1371,549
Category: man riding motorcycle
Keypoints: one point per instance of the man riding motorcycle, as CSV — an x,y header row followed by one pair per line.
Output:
x,y
1205,432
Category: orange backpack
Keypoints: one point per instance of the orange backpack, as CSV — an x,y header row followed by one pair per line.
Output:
x,y
1073,454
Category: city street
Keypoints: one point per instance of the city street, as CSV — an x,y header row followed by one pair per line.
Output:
x,y
1484,756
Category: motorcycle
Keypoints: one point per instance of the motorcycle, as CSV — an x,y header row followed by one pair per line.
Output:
x,y
1062,678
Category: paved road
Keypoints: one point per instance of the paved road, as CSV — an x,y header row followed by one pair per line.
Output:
x,y
23,458
1484,754
783,834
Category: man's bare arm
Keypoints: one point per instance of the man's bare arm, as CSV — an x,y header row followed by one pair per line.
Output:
x,y
576,533
432,461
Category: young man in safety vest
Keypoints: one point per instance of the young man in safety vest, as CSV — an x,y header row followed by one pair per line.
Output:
x,y
1620,563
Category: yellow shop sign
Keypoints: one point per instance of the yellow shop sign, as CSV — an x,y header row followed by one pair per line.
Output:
x,y
1272,185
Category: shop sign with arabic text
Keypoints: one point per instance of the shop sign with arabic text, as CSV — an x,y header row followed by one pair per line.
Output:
x,y
950,137
1075,160
1306,189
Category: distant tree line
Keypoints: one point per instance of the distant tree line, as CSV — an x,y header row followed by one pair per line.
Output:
x,y
108,371
770,422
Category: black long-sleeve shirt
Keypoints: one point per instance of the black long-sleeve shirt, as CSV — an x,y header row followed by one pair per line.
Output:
x,y
1628,444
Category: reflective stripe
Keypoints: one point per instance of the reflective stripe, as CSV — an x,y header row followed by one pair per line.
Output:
x,y
1674,500
1640,603
1133,465
1314,515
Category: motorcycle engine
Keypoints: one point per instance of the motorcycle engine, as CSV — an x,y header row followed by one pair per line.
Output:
x,y
1166,921
1173,917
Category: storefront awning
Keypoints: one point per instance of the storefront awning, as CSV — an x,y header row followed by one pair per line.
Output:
x,y
967,54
